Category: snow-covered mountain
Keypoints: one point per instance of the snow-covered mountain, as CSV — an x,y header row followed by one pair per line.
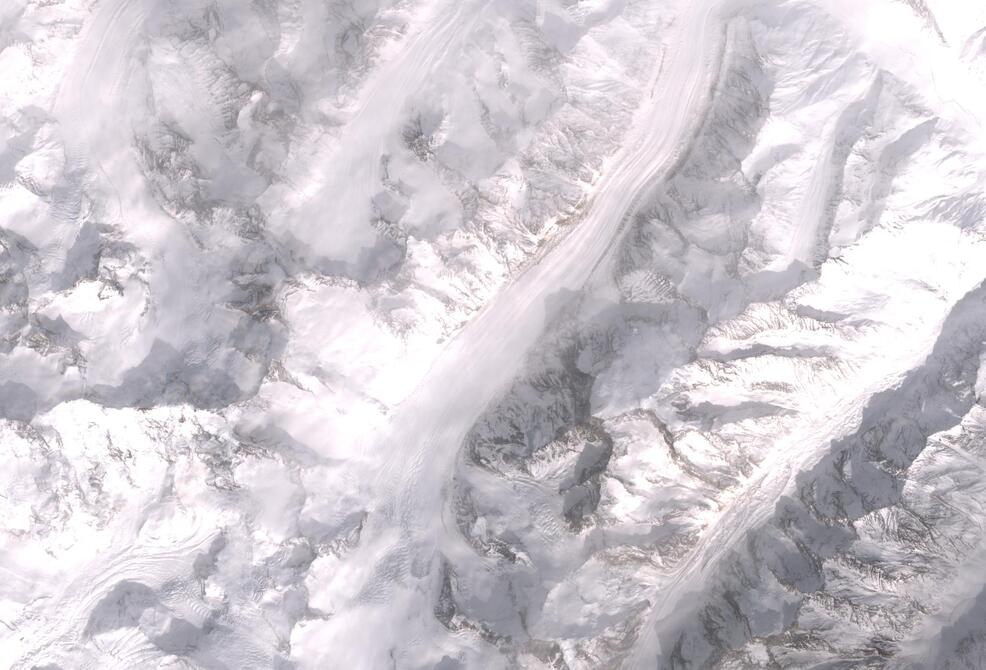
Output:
x,y
492,334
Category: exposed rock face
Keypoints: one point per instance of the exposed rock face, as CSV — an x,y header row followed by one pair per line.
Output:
x,y
493,334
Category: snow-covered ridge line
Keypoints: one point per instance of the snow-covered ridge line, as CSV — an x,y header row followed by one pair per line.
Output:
x,y
497,333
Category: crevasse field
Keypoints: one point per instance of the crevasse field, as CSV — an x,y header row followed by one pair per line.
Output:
x,y
492,334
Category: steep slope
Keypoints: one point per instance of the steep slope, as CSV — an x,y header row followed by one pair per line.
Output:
x,y
492,333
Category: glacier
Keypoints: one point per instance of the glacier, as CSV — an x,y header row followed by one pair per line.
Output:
x,y
452,334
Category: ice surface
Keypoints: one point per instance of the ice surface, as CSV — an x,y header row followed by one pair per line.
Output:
x,y
451,334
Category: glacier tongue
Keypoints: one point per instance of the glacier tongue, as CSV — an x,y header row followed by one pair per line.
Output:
x,y
492,334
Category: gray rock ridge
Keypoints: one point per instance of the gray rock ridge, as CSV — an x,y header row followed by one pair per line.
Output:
x,y
492,334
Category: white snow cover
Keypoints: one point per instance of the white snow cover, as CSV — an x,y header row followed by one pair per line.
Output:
x,y
453,334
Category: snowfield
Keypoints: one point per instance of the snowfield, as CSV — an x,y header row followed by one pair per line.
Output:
x,y
438,334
